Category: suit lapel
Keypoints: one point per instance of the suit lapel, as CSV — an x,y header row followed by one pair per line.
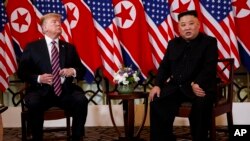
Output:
x,y
45,54
62,54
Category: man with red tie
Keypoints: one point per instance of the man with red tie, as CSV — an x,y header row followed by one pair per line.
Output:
x,y
49,66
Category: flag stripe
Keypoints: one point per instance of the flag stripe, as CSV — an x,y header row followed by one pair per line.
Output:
x,y
225,27
103,14
8,64
226,44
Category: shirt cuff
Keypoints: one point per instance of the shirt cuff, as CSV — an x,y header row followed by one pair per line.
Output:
x,y
38,79
74,75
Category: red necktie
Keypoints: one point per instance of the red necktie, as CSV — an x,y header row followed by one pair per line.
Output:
x,y
55,69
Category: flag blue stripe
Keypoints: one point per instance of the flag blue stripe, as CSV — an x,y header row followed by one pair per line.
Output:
x,y
245,57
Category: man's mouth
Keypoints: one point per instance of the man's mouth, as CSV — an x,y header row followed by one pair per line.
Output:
x,y
188,33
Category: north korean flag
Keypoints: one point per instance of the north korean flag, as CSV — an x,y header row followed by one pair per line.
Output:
x,y
242,20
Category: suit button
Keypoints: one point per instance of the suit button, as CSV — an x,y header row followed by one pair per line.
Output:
x,y
180,85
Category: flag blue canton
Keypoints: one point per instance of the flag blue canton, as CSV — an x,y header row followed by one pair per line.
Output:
x,y
102,11
157,10
219,9
3,17
51,6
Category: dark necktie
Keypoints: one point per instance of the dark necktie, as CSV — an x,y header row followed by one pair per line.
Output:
x,y
55,69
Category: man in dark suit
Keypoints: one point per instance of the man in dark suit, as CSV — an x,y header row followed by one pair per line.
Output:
x,y
186,73
49,66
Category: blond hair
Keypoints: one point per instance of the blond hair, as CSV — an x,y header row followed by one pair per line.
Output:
x,y
49,15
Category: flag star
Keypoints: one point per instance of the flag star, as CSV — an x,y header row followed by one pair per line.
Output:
x,y
70,14
240,4
182,7
21,19
124,14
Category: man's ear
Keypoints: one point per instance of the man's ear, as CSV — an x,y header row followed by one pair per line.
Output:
x,y
44,28
199,24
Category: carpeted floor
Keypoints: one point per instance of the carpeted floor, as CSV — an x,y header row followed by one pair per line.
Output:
x,y
103,134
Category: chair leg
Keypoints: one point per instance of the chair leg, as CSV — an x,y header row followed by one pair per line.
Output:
x,y
68,128
229,122
26,134
212,131
24,127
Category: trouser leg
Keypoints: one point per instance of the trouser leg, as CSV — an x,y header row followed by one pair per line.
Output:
x,y
162,115
36,123
35,115
77,105
200,118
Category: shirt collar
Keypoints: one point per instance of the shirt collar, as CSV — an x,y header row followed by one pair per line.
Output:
x,y
49,40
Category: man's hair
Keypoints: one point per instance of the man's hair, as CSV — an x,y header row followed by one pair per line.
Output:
x,y
189,12
49,15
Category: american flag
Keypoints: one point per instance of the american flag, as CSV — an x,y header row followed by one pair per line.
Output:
x,y
107,36
55,6
160,27
218,21
8,63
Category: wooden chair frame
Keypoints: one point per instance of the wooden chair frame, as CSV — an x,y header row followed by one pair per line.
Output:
x,y
54,113
224,102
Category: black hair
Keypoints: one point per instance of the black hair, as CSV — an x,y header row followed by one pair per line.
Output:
x,y
189,12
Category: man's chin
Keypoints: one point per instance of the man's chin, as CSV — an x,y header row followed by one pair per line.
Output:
x,y
59,33
189,37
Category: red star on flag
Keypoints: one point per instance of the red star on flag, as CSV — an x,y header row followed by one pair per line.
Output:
x,y
239,5
70,14
124,14
21,19
182,7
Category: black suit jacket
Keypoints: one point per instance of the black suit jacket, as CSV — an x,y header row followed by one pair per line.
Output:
x,y
198,59
35,61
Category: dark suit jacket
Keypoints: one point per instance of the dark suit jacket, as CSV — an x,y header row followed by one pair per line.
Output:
x,y
200,61
35,61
